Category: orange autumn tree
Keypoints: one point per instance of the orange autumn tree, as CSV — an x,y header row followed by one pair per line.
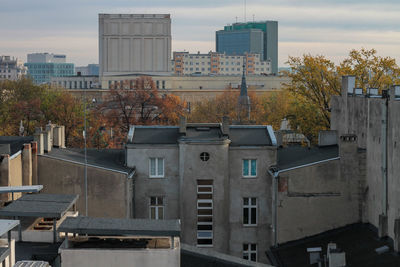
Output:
x,y
140,105
226,104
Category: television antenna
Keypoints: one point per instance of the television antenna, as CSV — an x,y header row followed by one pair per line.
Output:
x,y
245,11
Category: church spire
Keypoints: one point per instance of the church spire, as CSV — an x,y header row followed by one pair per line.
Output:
x,y
244,100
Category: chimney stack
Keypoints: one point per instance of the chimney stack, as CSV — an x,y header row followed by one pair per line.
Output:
x,y
225,125
348,84
182,125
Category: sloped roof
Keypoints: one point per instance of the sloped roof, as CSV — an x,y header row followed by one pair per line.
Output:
x,y
240,135
113,159
298,155
16,142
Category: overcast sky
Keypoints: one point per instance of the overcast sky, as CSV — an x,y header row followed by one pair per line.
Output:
x,y
328,27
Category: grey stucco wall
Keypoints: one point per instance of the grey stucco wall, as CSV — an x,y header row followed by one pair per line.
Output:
x,y
192,168
145,187
315,199
107,190
183,167
259,187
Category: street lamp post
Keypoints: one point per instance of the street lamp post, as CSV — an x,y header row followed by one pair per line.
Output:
x,y
85,149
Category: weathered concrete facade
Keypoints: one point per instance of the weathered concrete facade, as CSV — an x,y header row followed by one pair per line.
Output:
x,y
378,133
110,192
317,198
184,169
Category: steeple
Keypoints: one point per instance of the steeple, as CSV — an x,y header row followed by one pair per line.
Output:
x,y
244,100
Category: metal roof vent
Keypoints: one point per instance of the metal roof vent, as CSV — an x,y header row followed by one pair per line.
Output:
x,y
373,92
397,92
358,91
315,254
131,133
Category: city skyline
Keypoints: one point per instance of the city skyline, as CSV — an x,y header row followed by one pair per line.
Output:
x,y
330,28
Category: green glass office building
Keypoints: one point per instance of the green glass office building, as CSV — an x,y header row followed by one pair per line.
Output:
x,y
250,37
43,66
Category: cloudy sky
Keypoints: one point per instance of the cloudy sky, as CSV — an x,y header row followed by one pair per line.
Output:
x,y
328,27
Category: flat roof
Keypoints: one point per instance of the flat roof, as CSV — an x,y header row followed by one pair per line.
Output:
x,y
7,225
40,205
358,241
120,227
21,189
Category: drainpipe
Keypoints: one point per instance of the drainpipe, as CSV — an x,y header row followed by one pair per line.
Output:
x,y
273,171
384,133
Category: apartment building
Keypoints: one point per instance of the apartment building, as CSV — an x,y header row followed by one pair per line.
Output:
x,y
184,63
211,176
11,68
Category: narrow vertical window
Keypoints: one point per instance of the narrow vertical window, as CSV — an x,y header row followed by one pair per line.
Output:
x,y
204,213
249,211
250,252
249,168
156,208
156,167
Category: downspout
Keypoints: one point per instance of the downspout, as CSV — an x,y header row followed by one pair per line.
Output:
x,y
384,130
273,171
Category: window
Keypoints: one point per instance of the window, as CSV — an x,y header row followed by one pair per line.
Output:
x,y
156,208
249,168
204,213
249,211
250,252
204,156
156,167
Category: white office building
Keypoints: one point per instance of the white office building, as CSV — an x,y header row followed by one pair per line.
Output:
x,y
134,44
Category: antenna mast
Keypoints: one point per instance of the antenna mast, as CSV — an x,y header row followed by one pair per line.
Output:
x,y
245,11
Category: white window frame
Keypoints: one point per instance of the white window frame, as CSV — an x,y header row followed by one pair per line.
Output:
x,y
157,208
249,168
250,206
249,252
156,168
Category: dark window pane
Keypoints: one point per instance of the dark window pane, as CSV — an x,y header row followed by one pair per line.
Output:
x,y
253,257
204,205
204,241
253,247
204,219
204,189
245,247
204,182
253,216
204,212
204,196
253,201
204,227
246,201
245,216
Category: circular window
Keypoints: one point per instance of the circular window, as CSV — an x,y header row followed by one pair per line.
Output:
x,y
204,156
